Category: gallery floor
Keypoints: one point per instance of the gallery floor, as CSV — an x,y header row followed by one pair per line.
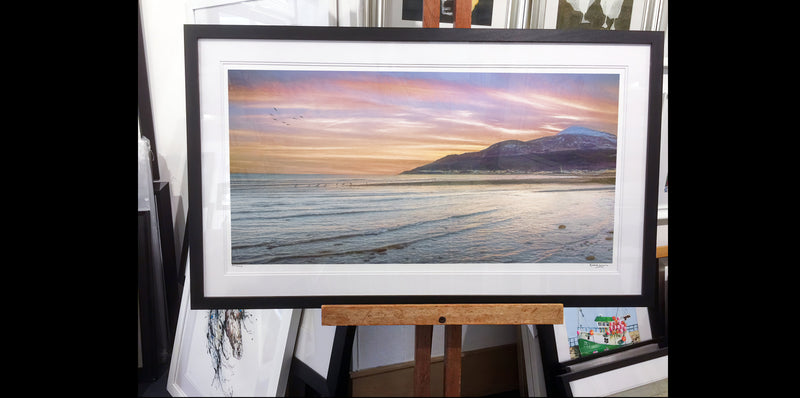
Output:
x,y
158,388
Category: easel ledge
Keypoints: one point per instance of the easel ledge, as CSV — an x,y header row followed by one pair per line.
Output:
x,y
443,314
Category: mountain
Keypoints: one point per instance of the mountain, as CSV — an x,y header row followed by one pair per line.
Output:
x,y
573,149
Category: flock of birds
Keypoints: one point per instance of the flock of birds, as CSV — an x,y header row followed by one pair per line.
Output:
x,y
284,121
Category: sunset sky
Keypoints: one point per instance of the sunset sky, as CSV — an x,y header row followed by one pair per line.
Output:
x,y
325,122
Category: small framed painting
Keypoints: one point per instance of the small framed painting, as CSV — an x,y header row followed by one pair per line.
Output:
x,y
588,331
392,165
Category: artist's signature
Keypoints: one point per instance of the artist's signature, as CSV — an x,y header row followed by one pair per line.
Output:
x,y
598,265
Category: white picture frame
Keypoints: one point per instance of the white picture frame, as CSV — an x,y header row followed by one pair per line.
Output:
x,y
532,357
259,366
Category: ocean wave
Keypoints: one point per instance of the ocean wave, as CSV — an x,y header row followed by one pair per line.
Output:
x,y
328,255
325,203
334,212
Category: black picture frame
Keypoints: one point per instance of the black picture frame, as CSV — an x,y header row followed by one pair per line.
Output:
x,y
161,193
556,371
335,383
148,370
558,375
193,34
569,376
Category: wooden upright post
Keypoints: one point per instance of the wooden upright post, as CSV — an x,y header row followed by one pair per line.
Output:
x,y
431,9
462,14
452,361
423,336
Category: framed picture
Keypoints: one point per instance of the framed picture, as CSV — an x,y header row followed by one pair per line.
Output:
x,y
642,371
588,331
238,352
599,15
593,340
393,165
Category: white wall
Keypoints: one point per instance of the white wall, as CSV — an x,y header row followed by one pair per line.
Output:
x,y
385,345
162,29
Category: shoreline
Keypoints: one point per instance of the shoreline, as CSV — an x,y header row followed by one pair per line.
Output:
x,y
602,181
605,178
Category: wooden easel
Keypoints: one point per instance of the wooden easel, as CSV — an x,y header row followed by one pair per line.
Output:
x,y
424,316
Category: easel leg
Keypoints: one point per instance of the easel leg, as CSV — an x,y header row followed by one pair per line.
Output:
x,y
452,360
431,9
462,14
423,337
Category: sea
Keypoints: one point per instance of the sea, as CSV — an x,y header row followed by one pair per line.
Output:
x,y
420,219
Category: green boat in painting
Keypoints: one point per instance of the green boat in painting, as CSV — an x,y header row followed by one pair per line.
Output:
x,y
611,332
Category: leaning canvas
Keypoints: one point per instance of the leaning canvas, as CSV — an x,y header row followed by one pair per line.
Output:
x,y
238,352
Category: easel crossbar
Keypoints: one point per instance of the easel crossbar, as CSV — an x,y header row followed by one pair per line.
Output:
x,y
443,314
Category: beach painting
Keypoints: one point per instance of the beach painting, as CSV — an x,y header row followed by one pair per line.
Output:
x,y
422,166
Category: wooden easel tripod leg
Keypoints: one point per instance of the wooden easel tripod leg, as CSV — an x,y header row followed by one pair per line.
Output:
x,y
452,361
423,336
